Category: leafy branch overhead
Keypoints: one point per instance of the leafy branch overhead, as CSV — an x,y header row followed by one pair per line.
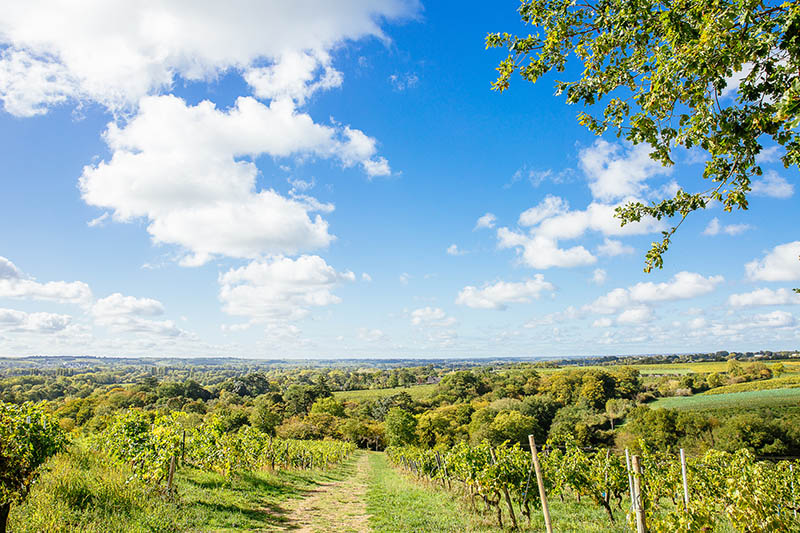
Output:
x,y
659,73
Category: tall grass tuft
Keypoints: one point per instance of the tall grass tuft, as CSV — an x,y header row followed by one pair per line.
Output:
x,y
85,491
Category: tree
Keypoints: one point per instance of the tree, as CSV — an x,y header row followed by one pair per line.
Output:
x,y
400,426
659,71
28,436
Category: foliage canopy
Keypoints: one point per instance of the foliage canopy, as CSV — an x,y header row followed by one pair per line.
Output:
x,y
662,73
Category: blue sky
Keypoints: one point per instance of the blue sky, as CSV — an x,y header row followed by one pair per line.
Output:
x,y
311,180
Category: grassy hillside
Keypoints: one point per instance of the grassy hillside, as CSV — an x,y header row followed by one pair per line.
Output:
x,y
417,392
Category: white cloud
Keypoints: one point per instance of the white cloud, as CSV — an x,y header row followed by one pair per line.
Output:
x,y
765,296
602,323
280,288
549,207
121,313
431,316
543,252
401,82
697,323
14,284
775,319
301,185
617,171
552,221
181,168
612,247
118,304
21,321
635,315
294,75
115,52
772,185
501,293
599,276
682,286
715,228
404,278
781,264
453,250
366,277
486,221
371,335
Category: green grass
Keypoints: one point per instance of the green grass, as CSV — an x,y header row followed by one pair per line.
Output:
x,y
417,392
399,503
759,399
786,382
85,491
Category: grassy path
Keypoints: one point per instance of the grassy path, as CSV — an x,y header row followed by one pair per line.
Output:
x,y
398,504
336,506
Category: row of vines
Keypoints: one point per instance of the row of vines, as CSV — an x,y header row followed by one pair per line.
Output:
x,y
152,445
725,489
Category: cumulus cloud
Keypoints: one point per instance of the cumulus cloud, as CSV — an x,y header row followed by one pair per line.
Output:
x,y
431,316
765,296
549,207
599,276
613,247
20,321
636,315
775,319
184,169
486,221
371,335
780,264
552,221
682,286
617,171
15,284
498,295
121,313
118,304
542,252
115,52
772,185
454,250
280,288
715,228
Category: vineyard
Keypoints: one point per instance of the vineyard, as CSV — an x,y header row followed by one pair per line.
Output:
x,y
722,490
152,447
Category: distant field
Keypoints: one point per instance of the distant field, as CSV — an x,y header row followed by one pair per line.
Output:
x,y
791,367
776,398
417,392
785,382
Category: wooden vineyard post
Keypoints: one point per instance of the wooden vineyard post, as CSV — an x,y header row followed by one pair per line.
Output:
x,y
443,466
791,473
685,482
171,474
183,446
540,481
506,494
630,479
641,525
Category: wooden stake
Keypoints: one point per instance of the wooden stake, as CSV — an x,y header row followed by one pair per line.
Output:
x,y
638,485
791,473
506,494
542,496
171,473
630,480
685,482
183,446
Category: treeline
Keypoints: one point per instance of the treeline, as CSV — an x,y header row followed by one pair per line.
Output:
x,y
593,406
